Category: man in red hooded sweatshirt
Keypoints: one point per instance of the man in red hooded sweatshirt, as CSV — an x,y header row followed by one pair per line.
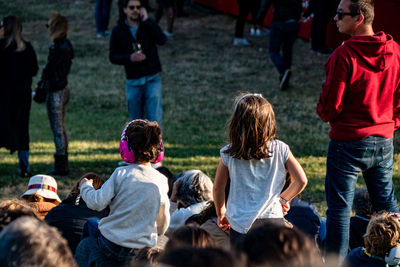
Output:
x,y
360,100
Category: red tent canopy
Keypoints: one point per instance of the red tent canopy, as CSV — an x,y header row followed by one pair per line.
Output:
x,y
386,12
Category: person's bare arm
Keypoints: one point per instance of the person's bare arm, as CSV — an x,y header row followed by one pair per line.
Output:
x,y
221,178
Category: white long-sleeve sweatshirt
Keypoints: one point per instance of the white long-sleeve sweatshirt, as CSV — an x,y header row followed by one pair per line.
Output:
x,y
139,205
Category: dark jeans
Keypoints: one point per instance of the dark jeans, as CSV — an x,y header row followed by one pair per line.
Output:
x,y
325,11
99,251
245,6
102,15
23,156
90,228
373,156
281,41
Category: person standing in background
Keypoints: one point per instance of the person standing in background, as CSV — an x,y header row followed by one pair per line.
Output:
x,y
133,44
284,30
55,73
18,64
102,17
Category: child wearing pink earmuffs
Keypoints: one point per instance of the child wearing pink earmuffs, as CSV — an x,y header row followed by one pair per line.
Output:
x,y
137,197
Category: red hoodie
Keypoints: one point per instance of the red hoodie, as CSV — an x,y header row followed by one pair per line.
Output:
x,y
361,94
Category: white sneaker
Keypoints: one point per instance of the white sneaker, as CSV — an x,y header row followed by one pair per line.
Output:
x,y
241,42
253,31
169,35
262,32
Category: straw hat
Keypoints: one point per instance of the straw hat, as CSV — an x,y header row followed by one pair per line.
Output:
x,y
44,185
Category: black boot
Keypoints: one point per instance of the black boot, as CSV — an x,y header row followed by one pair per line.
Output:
x,y
60,165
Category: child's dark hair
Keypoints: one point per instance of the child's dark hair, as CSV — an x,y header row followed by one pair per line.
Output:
x,y
252,127
362,203
144,139
271,244
189,236
97,183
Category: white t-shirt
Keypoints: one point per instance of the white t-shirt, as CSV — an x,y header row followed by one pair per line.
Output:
x,y
255,187
139,205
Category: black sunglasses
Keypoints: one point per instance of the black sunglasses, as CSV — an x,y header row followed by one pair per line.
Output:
x,y
341,14
134,7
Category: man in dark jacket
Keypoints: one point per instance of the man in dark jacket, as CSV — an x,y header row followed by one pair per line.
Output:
x,y
284,29
133,44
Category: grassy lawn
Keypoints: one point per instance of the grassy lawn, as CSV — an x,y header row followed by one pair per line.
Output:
x,y
202,73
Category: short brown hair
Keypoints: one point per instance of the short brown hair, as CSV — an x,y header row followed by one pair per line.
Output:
x,y
365,7
252,127
382,233
144,139
58,26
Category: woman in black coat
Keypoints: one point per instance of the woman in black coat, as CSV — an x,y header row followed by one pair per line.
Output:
x,y
18,64
55,75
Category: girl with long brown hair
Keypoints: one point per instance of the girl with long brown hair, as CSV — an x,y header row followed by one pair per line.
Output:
x,y
256,163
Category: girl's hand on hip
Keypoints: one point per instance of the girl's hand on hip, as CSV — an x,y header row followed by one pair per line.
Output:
x,y
223,223
285,207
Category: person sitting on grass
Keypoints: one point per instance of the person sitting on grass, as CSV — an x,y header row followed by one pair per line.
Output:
x,y
28,241
137,197
207,219
189,236
302,214
381,243
271,244
362,206
42,194
200,257
70,216
12,209
191,191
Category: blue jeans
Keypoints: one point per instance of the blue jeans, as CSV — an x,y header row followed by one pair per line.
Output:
x,y
102,15
144,95
282,38
99,251
373,156
90,228
23,156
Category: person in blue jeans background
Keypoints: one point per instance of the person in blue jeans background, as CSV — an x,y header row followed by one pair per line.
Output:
x,y
102,17
133,44
360,100
284,29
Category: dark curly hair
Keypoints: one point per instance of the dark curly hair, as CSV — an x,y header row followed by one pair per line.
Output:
x,y
144,139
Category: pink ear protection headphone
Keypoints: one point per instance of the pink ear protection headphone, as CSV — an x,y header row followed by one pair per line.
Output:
x,y
126,151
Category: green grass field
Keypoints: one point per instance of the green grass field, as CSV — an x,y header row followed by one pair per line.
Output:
x,y
202,73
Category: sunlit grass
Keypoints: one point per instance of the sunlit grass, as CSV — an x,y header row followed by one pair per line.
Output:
x,y
202,73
